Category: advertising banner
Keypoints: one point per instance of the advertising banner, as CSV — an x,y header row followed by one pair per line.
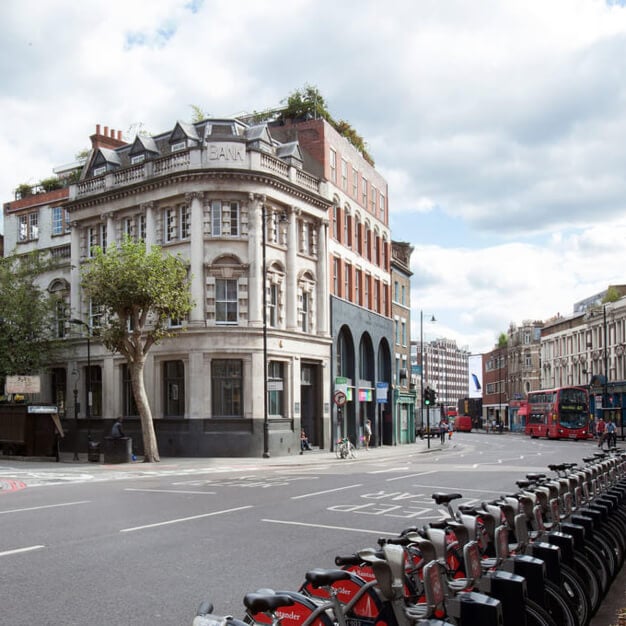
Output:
x,y
475,375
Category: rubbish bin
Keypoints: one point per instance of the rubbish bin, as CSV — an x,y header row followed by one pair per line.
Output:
x,y
93,452
118,450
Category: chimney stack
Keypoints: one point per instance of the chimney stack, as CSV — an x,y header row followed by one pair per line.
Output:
x,y
106,138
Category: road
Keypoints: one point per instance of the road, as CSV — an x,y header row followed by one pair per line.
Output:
x,y
86,544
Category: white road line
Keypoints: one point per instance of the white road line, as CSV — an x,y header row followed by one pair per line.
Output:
x,y
185,519
346,528
19,550
464,489
203,493
391,469
409,476
45,506
321,493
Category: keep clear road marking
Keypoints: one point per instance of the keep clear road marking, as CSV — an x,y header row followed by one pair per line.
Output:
x,y
19,550
45,506
185,519
200,493
352,530
321,493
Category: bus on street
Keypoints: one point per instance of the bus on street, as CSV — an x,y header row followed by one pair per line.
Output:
x,y
561,413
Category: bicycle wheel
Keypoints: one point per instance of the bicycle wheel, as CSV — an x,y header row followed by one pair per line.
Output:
x,y
600,567
558,607
351,451
590,579
338,449
576,594
537,615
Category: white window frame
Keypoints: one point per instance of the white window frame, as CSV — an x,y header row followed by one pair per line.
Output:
x,y
227,300
179,146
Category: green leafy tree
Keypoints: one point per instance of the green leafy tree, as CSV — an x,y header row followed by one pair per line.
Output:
x,y
141,290
503,340
308,103
612,295
27,311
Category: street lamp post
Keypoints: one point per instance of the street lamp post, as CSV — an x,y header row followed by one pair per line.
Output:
x,y
266,434
422,378
76,376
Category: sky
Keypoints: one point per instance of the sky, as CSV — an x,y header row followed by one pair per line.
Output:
x,y
500,126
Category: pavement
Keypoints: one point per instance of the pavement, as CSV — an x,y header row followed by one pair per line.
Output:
x,y
68,469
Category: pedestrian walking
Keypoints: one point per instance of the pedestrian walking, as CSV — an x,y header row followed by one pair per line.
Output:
x,y
443,429
611,435
367,434
600,431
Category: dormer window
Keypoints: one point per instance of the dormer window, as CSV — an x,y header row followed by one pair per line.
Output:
x,y
99,171
137,158
178,146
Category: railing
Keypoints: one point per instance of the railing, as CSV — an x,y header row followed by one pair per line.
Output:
x,y
129,175
183,161
176,161
92,185
274,165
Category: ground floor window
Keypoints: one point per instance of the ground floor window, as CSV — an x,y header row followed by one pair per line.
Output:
x,y
275,388
128,398
174,387
59,385
227,388
93,379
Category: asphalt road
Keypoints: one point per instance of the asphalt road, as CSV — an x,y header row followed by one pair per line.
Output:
x,y
85,544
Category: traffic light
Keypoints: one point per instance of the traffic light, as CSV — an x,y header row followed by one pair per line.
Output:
x,y
430,396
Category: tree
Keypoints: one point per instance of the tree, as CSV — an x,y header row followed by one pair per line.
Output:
x,y
503,340
27,342
308,103
612,295
141,290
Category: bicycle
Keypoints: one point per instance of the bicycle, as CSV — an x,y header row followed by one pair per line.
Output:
x,y
345,449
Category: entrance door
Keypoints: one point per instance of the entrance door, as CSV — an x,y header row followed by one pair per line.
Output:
x,y
309,405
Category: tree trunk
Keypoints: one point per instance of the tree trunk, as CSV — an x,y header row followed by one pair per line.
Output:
x,y
150,448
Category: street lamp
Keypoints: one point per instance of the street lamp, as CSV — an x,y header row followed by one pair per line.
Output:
x,y
266,434
266,426
432,319
88,387
76,376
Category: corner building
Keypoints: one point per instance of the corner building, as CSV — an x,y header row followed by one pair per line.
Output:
x,y
233,202
359,272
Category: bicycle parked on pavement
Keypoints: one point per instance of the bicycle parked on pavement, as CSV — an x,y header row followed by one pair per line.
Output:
x,y
345,449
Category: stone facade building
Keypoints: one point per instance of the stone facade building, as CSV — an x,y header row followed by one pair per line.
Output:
x,y
285,230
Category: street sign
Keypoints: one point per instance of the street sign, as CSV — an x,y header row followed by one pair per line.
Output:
x,y
22,384
339,397
382,390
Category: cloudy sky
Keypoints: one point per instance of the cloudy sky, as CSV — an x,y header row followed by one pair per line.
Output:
x,y
500,125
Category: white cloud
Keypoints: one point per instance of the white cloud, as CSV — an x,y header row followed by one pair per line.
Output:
x,y
500,126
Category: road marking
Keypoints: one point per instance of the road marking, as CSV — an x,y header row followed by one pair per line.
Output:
x,y
464,489
409,476
203,493
19,550
45,506
184,519
321,493
346,528
391,469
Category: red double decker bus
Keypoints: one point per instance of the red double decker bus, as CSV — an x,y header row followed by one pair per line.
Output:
x,y
561,413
